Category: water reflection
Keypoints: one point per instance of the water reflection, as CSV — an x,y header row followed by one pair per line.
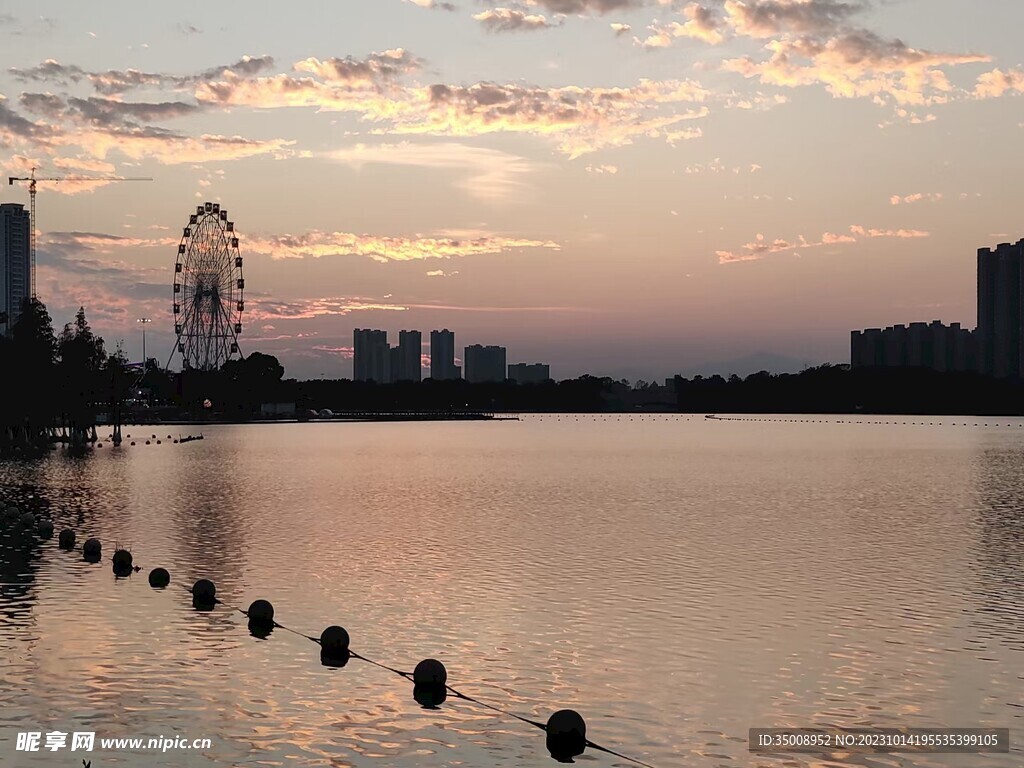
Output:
x,y
721,576
20,552
999,548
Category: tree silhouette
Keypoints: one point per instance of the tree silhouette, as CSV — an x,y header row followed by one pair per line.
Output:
x,y
82,359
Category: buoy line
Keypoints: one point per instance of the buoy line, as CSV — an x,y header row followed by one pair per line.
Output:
x,y
565,729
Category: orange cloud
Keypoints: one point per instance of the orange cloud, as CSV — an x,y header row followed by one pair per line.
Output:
x,y
579,119
994,84
261,309
701,24
512,20
857,64
317,244
917,197
760,247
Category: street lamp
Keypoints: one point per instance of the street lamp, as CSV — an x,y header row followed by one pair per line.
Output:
x,y
144,321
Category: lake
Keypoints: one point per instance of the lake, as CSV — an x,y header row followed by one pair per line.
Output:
x,y
676,580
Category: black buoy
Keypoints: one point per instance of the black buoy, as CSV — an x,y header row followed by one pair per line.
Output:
x,y
204,594
27,519
133,442
334,638
334,650
430,672
159,578
567,735
66,539
45,528
92,550
261,619
429,683
147,442
261,612
122,562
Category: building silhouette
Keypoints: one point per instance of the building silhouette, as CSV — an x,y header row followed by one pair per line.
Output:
x,y
918,345
999,310
15,261
484,364
529,373
371,359
374,360
407,365
442,356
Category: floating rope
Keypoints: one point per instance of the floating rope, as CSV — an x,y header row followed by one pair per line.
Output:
x,y
566,729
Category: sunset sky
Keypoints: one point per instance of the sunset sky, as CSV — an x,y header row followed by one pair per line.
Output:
x,y
621,187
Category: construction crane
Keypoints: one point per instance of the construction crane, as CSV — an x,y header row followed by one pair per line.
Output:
x,y
32,179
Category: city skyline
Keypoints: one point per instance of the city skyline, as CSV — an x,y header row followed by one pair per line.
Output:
x,y
621,187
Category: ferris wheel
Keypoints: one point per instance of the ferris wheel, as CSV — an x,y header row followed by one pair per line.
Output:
x,y
208,290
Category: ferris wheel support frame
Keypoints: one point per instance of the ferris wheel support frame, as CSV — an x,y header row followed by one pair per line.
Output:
x,y
209,291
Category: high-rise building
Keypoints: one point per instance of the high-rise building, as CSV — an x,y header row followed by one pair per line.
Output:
x,y
15,261
919,345
999,310
529,373
410,357
484,363
442,355
371,359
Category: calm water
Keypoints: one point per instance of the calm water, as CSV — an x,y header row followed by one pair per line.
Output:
x,y
675,580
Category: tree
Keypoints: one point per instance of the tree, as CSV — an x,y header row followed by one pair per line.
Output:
x,y
33,353
82,359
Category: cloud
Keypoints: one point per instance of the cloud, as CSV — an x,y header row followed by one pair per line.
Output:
x,y
442,273
433,4
579,119
14,128
103,111
370,72
316,244
50,70
489,174
761,247
717,166
169,148
931,197
101,242
620,29
512,20
903,234
113,81
992,85
261,309
585,6
610,169
701,24
74,270
857,64
769,18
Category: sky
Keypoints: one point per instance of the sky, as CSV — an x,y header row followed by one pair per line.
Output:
x,y
631,188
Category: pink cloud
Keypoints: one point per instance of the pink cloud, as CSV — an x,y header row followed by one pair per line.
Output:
x,y
760,247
